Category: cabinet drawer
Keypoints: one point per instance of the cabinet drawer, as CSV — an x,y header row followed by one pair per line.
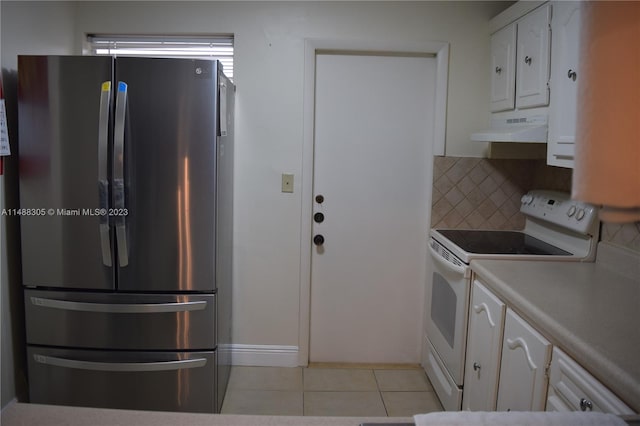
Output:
x,y
574,389
448,392
164,381
120,321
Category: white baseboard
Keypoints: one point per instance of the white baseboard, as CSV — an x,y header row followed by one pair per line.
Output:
x,y
13,401
264,355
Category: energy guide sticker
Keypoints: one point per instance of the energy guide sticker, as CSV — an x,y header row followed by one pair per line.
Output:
x,y
4,135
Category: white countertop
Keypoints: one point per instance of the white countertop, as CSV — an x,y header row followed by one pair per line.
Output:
x,y
18,414
589,310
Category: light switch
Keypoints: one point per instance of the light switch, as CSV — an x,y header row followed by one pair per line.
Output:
x,y
287,182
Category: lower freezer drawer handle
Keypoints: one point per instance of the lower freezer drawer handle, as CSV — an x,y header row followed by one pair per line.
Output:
x,y
120,308
120,366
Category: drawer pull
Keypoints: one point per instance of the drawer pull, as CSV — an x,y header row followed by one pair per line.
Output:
x,y
120,366
585,405
119,308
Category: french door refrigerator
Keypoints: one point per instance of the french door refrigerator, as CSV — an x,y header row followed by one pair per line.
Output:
x,y
126,179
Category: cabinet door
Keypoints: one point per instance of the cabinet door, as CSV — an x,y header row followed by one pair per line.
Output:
x,y
486,320
525,354
533,59
503,69
565,45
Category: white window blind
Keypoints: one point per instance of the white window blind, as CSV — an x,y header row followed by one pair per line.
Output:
x,y
215,47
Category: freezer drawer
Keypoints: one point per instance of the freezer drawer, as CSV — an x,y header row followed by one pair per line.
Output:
x,y
120,321
163,381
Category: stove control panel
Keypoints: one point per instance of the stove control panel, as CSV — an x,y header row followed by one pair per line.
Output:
x,y
558,208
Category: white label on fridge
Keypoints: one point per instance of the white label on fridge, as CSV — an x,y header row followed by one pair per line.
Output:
x,y
4,135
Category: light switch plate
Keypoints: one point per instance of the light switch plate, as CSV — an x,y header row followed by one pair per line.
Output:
x,y
287,182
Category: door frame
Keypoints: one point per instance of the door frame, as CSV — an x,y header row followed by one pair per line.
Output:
x,y
441,52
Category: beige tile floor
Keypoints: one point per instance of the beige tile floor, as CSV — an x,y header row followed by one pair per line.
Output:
x,y
327,391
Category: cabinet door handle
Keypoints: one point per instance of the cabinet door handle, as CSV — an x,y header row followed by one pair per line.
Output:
x,y
520,343
476,366
527,60
498,70
483,307
572,75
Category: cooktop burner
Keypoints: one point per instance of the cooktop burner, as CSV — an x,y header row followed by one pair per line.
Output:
x,y
500,242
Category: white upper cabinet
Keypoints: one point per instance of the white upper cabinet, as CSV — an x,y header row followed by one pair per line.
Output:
x,y
565,75
486,323
525,357
503,69
520,60
532,64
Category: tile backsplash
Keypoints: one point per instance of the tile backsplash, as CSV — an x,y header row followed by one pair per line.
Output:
x,y
623,234
480,193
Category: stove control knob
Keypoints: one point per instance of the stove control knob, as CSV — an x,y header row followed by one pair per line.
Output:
x,y
580,214
526,199
572,211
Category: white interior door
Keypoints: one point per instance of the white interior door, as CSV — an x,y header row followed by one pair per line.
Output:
x,y
374,120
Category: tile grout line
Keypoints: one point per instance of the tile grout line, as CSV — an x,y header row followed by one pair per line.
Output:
x,y
302,369
380,392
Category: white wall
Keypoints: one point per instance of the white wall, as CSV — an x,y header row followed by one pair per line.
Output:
x,y
36,28
26,28
269,41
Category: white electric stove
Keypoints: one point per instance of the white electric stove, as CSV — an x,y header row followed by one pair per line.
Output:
x,y
556,228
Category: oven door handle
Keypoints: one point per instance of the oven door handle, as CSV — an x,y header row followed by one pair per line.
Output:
x,y
461,270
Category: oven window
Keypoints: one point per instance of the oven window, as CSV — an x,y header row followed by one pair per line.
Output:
x,y
443,307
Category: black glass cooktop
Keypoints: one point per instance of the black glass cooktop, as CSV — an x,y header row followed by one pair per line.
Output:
x,y
500,242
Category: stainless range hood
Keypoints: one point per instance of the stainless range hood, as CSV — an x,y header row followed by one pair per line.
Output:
x,y
532,129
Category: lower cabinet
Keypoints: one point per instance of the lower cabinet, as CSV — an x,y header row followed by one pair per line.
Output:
x,y
510,366
506,358
572,388
525,357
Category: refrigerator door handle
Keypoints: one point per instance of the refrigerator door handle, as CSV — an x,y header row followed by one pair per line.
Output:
x,y
118,175
103,180
120,308
120,366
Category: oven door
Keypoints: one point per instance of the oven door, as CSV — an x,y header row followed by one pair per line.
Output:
x,y
447,313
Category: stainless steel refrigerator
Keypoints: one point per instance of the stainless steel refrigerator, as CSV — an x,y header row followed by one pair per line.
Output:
x,y
126,195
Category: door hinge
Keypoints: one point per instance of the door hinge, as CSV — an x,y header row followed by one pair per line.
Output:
x,y
547,370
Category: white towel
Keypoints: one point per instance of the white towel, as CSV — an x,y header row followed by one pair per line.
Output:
x,y
607,153
517,418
